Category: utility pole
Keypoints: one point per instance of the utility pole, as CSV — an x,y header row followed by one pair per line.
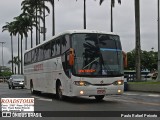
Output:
x,y
158,78
2,58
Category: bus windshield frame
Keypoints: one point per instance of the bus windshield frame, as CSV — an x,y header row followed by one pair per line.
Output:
x,y
97,54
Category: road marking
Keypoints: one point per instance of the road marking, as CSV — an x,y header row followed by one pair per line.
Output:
x,y
44,99
129,94
149,95
41,98
137,102
154,95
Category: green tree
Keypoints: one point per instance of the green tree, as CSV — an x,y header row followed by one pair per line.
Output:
x,y
16,62
148,60
6,73
112,5
30,22
131,60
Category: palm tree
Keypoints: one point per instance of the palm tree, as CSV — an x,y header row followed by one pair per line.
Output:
x,y
112,5
138,46
32,6
30,22
10,28
21,28
28,11
16,62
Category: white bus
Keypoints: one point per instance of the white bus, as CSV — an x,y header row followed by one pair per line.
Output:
x,y
76,63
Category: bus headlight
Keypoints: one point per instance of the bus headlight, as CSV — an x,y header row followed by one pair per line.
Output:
x,y
81,83
118,82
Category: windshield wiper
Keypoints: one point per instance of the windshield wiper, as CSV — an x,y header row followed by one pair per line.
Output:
x,y
90,63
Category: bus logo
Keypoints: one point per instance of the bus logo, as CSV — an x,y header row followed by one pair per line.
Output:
x,y
102,82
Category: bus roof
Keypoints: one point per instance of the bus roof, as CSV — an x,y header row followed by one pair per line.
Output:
x,y
86,31
72,32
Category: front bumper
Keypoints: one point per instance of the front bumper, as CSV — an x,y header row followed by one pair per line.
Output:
x,y
97,90
20,84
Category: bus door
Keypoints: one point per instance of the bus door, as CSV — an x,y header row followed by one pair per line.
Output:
x,y
67,71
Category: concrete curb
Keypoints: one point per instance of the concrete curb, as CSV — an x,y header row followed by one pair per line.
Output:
x,y
144,87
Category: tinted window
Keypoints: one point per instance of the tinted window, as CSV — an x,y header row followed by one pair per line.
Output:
x,y
58,46
53,48
17,76
109,41
34,55
47,50
65,43
27,58
40,54
97,54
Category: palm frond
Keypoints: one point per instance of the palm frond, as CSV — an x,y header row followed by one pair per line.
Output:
x,y
101,1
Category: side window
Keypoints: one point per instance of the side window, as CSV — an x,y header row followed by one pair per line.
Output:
x,y
37,54
65,43
29,58
58,46
47,50
33,55
53,49
25,58
40,54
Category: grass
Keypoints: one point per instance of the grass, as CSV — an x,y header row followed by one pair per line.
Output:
x,y
145,82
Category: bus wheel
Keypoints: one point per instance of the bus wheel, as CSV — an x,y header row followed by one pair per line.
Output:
x,y
99,97
59,91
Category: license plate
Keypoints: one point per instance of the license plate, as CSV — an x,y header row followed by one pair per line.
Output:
x,y
101,92
21,83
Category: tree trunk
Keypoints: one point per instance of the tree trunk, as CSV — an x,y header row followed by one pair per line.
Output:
x,y
31,36
39,36
158,78
138,46
53,19
44,23
15,70
18,56
26,43
12,51
111,17
36,27
21,57
84,14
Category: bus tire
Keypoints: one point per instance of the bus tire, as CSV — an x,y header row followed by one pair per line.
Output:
x,y
59,92
99,97
9,86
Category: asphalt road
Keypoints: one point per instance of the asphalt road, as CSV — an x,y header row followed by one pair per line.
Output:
x,y
129,101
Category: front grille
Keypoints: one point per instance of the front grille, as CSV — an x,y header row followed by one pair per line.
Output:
x,y
101,84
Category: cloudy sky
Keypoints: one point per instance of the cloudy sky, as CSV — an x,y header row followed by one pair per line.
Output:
x,y
69,15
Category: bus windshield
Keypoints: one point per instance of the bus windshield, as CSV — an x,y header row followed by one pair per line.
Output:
x,y
97,55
